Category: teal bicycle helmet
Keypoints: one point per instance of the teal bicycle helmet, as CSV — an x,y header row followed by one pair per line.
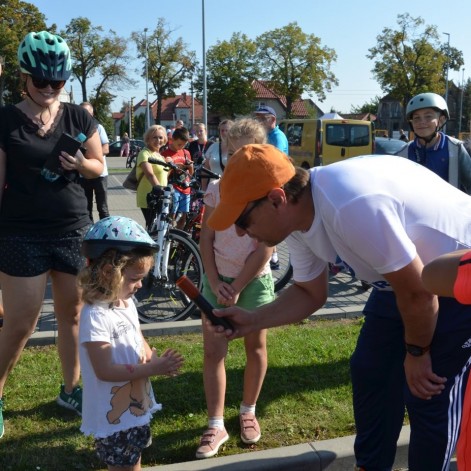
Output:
x,y
115,232
427,100
45,55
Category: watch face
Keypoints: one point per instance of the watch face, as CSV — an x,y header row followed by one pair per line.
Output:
x,y
415,350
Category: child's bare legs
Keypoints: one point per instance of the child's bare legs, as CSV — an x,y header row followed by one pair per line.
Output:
x,y
214,372
181,221
256,367
136,467
255,370
214,377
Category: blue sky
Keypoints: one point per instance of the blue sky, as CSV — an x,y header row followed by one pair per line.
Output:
x,y
350,28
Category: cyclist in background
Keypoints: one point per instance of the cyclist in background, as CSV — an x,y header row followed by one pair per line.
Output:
x,y
150,175
427,114
43,219
179,156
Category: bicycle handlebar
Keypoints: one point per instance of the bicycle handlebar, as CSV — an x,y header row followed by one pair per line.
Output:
x,y
170,165
209,173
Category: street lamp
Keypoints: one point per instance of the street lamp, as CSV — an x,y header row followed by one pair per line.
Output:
x,y
461,105
447,66
205,98
147,80
447,70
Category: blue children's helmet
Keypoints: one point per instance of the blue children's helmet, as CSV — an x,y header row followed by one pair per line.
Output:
x,y
45,56
115,232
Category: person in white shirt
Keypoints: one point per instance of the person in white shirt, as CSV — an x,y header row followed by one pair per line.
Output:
x,y
385,217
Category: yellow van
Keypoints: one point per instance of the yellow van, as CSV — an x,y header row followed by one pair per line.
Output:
x,y
314,142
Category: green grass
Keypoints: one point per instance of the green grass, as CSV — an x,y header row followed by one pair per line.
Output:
x,y
306,396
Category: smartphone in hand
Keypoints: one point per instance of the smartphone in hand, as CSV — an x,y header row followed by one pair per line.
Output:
x,y
52,169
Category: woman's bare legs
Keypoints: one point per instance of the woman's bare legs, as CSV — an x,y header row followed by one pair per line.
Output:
x,y
22,301
67,306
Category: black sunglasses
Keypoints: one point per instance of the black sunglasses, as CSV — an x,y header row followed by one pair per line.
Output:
x,y
242,221
43,83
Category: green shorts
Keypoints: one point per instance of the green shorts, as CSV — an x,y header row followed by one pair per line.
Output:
x,y
258,292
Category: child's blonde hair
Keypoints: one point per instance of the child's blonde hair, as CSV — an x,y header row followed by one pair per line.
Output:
x,y
248,128
102,279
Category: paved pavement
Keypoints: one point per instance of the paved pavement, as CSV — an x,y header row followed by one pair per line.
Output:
x,y
346,300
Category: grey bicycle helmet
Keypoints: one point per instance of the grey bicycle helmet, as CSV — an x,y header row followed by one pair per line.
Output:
x,y
427,100
45,55
115,232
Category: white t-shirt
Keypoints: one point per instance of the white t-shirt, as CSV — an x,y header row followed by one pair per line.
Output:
x,y
377,213
212,156
103,140
112,407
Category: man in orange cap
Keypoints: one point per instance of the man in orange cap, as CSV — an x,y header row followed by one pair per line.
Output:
x,y
385,217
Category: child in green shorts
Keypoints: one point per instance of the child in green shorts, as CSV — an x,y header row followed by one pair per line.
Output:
x,y
237,272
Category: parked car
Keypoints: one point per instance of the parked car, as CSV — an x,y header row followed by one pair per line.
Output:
x,y
115,147
388,145
315,142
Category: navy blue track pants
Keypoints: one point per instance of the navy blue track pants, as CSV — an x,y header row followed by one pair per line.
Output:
x,y
380,392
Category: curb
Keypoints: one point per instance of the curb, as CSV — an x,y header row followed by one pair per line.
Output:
x,y
335,455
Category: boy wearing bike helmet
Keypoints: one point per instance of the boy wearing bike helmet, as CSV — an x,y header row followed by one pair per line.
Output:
x,y
116,360
427,114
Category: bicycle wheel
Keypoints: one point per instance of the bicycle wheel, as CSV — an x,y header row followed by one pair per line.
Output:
x,y
159,300
284,272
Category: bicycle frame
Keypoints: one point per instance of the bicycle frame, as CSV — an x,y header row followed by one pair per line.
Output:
x,y
161,197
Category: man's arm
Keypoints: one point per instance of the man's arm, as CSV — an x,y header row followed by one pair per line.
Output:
x,y
419,310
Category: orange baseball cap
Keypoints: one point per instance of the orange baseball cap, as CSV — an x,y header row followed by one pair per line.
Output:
x,y
251,173
462,287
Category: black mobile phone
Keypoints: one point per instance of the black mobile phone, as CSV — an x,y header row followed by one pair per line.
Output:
x,y
66,143
52,169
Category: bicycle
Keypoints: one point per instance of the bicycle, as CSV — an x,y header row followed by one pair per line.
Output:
x,y
133,152
194,218
159,299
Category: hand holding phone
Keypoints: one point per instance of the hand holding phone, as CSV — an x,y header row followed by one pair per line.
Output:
x,y
52,169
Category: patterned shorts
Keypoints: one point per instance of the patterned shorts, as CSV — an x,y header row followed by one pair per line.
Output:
x,y
32,255
124,448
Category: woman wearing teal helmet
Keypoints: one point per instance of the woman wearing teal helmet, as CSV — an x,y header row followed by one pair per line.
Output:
x,y
427,114
42,221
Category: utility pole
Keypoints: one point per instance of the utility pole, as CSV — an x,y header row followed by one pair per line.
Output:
x,y
147,80
131,117
192,106
447,71
205,98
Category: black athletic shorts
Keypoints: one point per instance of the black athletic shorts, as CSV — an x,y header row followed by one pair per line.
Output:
x,y
32,255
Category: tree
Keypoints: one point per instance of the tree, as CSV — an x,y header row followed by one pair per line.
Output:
x,y
231,69
96,55
170,62
370,107
411,60
17,19
294,63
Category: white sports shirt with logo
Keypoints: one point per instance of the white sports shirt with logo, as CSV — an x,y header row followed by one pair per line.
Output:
x,y
377,213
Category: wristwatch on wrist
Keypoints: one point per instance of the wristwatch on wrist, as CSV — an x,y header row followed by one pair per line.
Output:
x,y
415,350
